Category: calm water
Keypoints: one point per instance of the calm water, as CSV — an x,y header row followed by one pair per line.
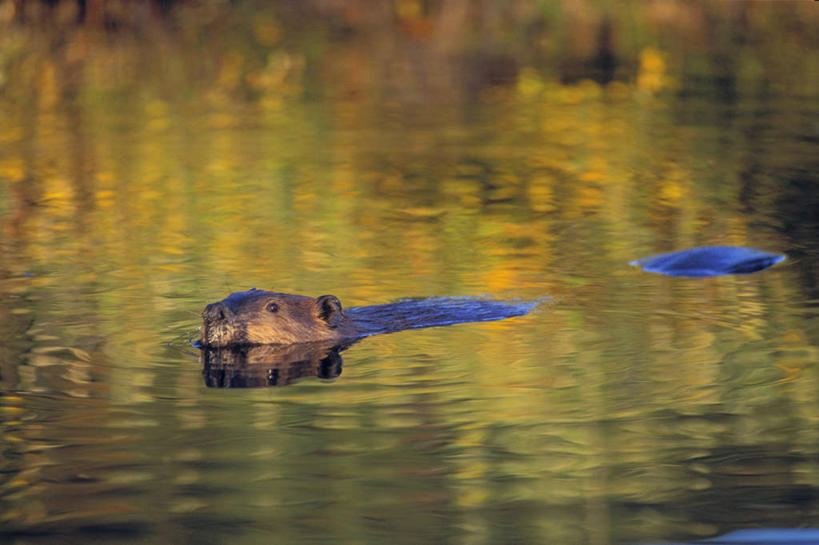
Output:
x,y
154,161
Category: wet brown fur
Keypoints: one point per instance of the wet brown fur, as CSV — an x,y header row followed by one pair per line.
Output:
x,y
263,317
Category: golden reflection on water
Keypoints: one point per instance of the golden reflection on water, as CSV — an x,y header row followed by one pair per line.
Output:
x,y
155,163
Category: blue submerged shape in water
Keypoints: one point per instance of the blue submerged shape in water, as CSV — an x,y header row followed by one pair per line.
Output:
x,y
770,536
709,261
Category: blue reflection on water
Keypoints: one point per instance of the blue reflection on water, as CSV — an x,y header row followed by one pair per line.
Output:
x,y
709,261
771,536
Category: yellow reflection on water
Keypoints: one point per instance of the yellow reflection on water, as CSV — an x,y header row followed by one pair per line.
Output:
x,y
155,164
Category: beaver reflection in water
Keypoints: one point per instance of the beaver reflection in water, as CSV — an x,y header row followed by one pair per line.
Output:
x,y
266,365
257,317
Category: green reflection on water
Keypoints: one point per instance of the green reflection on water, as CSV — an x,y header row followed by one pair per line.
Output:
x,y
160,160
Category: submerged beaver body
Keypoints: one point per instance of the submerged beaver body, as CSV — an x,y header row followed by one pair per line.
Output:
x,y
257,317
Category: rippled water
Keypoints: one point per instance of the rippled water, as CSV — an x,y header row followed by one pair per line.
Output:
x,y
319,152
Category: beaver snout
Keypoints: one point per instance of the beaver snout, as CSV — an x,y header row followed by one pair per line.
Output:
x,y
217,312
219,325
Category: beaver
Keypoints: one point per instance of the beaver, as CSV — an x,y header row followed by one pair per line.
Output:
x,y
256,317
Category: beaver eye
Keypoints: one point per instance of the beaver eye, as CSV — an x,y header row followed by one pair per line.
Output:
x,y
272,307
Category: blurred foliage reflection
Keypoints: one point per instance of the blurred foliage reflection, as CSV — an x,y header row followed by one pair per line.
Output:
x,y
155,156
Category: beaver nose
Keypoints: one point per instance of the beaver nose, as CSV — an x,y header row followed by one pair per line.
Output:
x,y
216,312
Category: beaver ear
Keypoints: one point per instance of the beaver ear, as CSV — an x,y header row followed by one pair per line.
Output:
x,y
328,308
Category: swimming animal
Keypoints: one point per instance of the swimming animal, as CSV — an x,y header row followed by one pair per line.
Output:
x,y
257,317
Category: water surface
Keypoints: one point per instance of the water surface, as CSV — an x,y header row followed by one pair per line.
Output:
x,y
155,162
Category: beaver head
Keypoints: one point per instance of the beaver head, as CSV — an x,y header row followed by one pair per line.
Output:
x,y
265,317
